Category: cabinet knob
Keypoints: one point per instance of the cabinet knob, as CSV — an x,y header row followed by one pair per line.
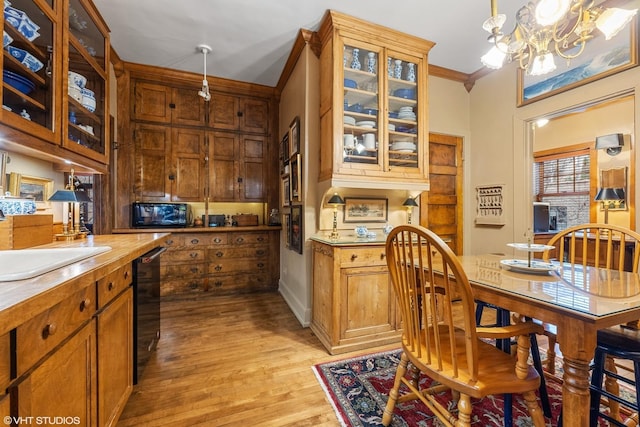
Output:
x,y
126,274
260,252
49,330
260,239
239,240
193,255
382,255
110,286
85,303
218,267
261,265
194,269
217,240
169,242
353,257
217,283
195,241
219,254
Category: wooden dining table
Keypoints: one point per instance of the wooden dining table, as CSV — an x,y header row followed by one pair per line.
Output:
x,y
578,300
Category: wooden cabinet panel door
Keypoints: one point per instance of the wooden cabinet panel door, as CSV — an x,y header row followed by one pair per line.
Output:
x,y
153,143
152,102
224,149
65,384
188,152
255,117
189,109
252,167
224,111
115,358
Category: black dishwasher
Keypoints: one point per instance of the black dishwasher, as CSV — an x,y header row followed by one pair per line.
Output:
x,y
146,308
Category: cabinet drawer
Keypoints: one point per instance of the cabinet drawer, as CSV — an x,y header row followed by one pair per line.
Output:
x,y
362,257
183,285
237,252
113,283
233,283
184,255
43,332
232,265
181,241
248,238
5,363
185,271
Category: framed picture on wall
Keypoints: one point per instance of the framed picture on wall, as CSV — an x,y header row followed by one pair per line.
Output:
x,y
295,229
296,182
359,209
286,191
286,227
601,58
284,153
294,136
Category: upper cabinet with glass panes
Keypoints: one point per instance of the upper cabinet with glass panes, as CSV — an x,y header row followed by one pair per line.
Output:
x,y
373,85
87,83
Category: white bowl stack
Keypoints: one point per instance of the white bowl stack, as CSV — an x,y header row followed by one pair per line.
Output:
x,y
406,113
76,83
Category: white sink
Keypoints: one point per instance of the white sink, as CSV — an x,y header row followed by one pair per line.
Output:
x,y
22,264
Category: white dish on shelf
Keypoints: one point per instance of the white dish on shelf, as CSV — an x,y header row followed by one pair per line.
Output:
x,y
403,145
531,247
406,151
522,266
366,124
348,120
391,127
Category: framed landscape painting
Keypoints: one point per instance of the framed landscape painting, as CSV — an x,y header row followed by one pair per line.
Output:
x,y
365,209
600,58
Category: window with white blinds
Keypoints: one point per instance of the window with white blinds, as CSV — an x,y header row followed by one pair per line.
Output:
x,y
563,181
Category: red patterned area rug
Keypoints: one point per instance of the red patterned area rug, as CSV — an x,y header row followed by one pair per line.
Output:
x,y
357,388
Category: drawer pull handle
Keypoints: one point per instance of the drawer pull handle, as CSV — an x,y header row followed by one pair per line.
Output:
x,y
110,286
382,255
260,252
194,269
239,240
353,257
217,283
261,265
126,274
217,240
218,268
49,330
219,254
169,242
193,255
84,304
260,239
195,241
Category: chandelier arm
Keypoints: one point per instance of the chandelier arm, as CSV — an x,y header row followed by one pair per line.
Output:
x,y
575,55
528,55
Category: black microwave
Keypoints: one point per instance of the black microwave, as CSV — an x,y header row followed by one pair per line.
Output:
x,y
154,215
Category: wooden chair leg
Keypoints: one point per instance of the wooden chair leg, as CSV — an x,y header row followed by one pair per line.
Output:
x,y
393,393
464,411
612,386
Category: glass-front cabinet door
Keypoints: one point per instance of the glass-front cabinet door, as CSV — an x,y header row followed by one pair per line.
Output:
x,y
28,68
86,108
380,120
361,122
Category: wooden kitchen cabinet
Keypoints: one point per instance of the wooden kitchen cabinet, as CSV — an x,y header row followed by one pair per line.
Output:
x,y
160,103
64,384
222,262
239,113
115,355
170,163
238,167
353,302
5,374
373,91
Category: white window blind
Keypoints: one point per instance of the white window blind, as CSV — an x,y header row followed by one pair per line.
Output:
x,y
563,181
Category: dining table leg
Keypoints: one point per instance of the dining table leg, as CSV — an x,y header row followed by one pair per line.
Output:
x,y
577,342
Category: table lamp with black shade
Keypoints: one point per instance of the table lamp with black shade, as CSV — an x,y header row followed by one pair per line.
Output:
x,y
71,197
335,201
410,203
608,194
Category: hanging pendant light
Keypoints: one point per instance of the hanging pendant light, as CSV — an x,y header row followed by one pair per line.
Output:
x,y
204,92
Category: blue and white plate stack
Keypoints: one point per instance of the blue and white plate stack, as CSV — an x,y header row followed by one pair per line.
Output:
x,y
21,22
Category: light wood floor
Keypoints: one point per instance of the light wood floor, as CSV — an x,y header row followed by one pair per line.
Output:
x,y
232,361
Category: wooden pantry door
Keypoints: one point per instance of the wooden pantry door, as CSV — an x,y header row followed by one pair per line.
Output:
x,y
441,206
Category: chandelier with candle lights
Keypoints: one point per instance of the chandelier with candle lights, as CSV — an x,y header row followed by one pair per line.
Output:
x,y
548,28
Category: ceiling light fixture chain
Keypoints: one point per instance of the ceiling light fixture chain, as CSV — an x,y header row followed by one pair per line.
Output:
x,y
204,92
568,24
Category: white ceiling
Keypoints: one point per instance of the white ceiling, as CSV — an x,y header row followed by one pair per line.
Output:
x,y
251,39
